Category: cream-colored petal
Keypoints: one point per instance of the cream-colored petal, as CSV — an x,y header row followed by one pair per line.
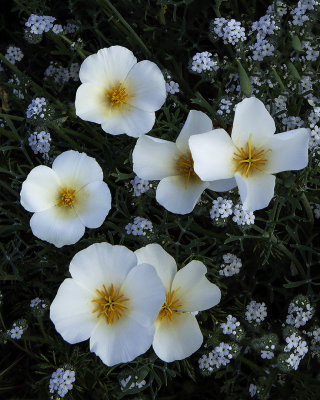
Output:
x,y
177,339
177,195
197,122
57,225
252,118
71,312
40,189
222,185
91,102
163,262
193,289
93,204
289,151
212,154
76,170
147,85
154,158
256,191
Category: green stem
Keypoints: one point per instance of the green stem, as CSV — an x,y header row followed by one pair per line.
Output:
x,y
307,208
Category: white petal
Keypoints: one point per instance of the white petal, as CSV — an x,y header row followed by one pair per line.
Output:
x,y
177,339
212,154
112,63
129,120
194,291
57,225
120,342
154,158
222,185
146,293
147,85
173,194
71,312
164,264
289,151
252,117
91,103
93,204
256,191
102,263
197,122
40,190
76,170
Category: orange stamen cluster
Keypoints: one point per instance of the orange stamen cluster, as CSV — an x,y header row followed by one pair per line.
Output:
x,y
117,95
248,158
170,306
67,197
110,304
184,166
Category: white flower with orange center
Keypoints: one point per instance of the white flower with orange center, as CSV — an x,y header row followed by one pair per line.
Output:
x,y
180,187
119,93
177,333
111,299
66,198
251,155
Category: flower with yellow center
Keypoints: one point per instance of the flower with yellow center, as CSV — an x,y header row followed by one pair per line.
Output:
x,y
112,299
119,93
180,187
177,333
251,155
66,198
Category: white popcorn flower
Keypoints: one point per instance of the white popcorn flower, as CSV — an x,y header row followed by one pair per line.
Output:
x,y
256,312
139,186
267,354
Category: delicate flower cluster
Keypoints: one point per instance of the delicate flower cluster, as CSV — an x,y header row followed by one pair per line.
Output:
x,y
40,143
292,122
306,84
316,210
17,90
265,26
241,216
299,13
37,108
13,54
203,62
62,75
224,107
298,349
139,186
311,53
230,31
139,227
16,331
61,381
230,327
71,28
256,312
280,104
300,311
134,383
223,208
261,49
280,9
219,356
232,265
38,24
172,87
252,390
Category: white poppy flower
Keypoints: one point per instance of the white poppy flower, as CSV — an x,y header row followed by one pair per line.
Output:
x,y
66,198
180,187
252,154
177,333
119,93
111,300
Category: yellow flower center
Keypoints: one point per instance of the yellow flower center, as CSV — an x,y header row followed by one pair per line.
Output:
x,y
184,166
110,304
67,197
250,158
170,306
117,95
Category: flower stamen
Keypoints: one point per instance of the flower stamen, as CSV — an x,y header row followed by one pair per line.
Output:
x,y
117,95
170,306
184,165
110,304
67,197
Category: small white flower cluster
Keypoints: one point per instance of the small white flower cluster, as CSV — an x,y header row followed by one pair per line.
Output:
x,y
13,54
203,62
38,303
256,312
262,48
232,265
241,216
134,383
316,335
139,186
2,125
223,208
313,118
16,331
280,104
229,327
300,312
292,122
311,53
139,227
71,28
252,390
42,23
40,143
219,356
299,13
316,209
305,84
37,108
265,26
172,87
17,92
61,381
280,9
224,107
299,349
267,354
62,75
230,31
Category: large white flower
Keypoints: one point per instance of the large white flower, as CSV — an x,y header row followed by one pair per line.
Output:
x,y
252,154
66,198
119,93
177,333
111,300
180,187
